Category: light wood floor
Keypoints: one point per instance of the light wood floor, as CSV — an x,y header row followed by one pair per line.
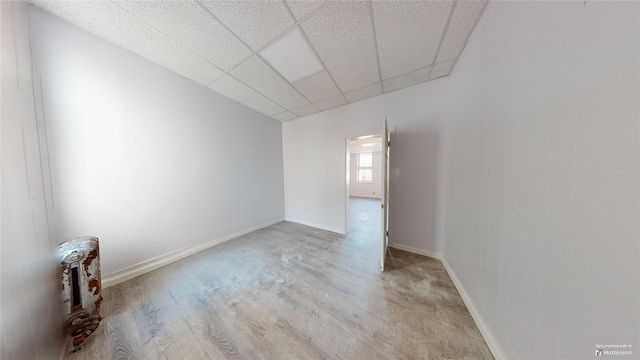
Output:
x,y
289,291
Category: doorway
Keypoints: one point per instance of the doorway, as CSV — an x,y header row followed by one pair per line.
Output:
x,y
364,189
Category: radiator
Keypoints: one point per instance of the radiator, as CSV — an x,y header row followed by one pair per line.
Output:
x,y
81,287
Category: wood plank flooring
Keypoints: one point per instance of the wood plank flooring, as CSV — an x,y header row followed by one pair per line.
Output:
x,y
289,291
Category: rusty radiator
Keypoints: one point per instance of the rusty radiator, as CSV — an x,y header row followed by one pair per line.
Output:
x,y
81,287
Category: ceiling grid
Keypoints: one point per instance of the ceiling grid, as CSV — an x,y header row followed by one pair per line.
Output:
x,y
409,34
375,41
306,38
365,47
444,33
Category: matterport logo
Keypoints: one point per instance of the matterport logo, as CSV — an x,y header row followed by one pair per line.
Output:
x,y
614,350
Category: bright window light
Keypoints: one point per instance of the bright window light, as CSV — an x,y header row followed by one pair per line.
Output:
x,y
365,168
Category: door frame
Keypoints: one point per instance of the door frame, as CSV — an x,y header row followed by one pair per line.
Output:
x,y
347,175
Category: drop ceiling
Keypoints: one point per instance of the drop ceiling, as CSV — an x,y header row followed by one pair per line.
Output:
x,y
365,48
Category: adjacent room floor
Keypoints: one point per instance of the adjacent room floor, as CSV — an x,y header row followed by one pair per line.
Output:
x,y
289,291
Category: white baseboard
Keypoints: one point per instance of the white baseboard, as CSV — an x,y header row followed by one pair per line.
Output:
x,y
415,250
144,267
321,227
496,350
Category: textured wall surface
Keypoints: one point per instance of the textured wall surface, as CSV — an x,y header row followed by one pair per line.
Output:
x,y
542,176
31,299
144,159
523,164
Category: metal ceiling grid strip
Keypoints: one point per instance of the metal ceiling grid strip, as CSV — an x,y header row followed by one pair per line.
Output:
x,y
463,20
255,22
189,24
331,103
85,22
306,39
285,116
486,3
444,33
364,93
341,35
259,75
232,88
318,87
441,69
256,52
407,79
185,66
409,33
375,42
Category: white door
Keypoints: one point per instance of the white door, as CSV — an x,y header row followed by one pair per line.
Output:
x,y
386,141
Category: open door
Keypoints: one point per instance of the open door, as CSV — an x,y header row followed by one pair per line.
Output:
x,y
386,141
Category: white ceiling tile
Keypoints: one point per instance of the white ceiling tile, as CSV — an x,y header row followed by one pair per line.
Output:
x,y
236,90
408,79
292,56
408,33
191,25
442,69
255,22
317,87
260,76
306,110
188,23
301,8
364,93
331,103
342,34
111,23
197,40
285,116
465,16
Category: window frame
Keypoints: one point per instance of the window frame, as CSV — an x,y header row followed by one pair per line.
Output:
x,y
360,167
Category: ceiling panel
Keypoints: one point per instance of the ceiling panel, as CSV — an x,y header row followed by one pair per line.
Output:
x,y
111,23
408,33
408,79
465,15
364,93
255,22
285,116
442,68
317,87
292,56
191,25
342,34
332,103
306,110
236,90
260,76
301,8
223,43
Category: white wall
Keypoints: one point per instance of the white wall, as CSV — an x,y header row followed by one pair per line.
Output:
x,y
367,190
542,203
315,162
530,151
31,303
146,160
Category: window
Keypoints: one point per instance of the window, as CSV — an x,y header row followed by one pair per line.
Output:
x,y
365,168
